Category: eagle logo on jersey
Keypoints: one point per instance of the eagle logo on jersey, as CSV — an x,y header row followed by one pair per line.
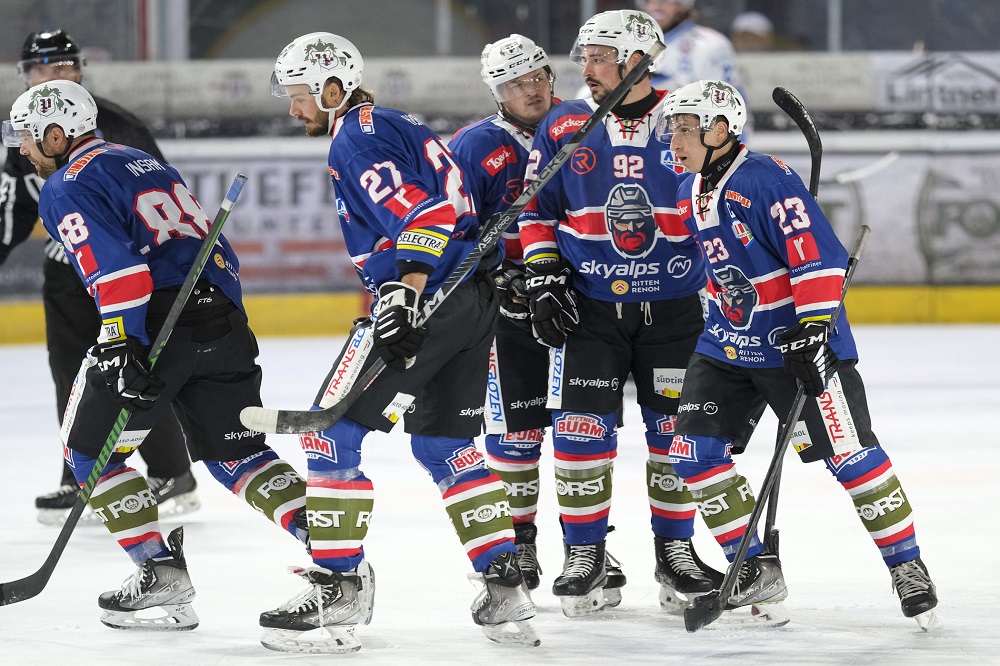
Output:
x,y
737,296
630,220
325,55
46,101
641,27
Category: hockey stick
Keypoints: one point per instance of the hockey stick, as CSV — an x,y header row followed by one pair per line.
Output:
x,y
262,419
797,111
707,608
33,584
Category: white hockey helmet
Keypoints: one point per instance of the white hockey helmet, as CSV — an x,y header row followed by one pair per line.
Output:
x,y
707,100
626,30
312,59
63,103
508,59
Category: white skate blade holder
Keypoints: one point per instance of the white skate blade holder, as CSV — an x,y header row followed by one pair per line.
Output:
x,y
331,639
675,602
582,606
927,620
169,617
512,633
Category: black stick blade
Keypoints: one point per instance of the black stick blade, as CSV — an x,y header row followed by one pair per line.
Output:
x,y
800,115
706,610
797,111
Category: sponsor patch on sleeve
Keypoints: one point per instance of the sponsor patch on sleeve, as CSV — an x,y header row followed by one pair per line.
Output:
x,y
112,329
422,240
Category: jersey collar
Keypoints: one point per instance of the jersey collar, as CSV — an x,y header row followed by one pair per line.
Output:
x,y
85,147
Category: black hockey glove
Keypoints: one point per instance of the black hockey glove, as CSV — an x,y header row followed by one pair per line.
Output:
x,y
123,366
397,337
552,302
512,291
808,356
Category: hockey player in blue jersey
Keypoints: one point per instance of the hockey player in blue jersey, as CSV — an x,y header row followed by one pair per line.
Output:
x,y
493,153
775,275
132,230
613,278
408,221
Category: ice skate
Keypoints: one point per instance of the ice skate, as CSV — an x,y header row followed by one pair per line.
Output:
x,y
503,607
157,597
917,594
681,574
322,619
53,508
580,587
527,554
760,585
616,577
175,495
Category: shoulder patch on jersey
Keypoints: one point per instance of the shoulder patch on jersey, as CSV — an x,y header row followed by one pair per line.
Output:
x,y
365,119
77,166
738,198
788,172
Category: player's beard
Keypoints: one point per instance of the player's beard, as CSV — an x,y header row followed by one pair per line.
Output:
x,y
45,169
600,93
319,124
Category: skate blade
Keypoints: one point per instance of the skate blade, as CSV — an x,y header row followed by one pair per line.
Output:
x,y
366,595
178,505
588,604
612,597
675,602
57,517
772,615
512,633
169,617
323,640
927,620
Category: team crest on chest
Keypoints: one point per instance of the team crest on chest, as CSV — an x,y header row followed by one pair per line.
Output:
x,y
629,216
737,296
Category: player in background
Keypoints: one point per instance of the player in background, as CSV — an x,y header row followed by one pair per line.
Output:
x,y
493,153
775,274
613,279
693,52
408,222
72,323
132,229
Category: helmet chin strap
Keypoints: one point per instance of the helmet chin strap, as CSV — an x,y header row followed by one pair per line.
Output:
x,y
61,158
710,150
332,117
515,121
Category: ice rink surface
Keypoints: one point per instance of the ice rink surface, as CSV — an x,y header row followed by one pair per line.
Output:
x,y
931,389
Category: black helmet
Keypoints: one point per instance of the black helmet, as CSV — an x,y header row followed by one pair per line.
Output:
x,y
48,48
